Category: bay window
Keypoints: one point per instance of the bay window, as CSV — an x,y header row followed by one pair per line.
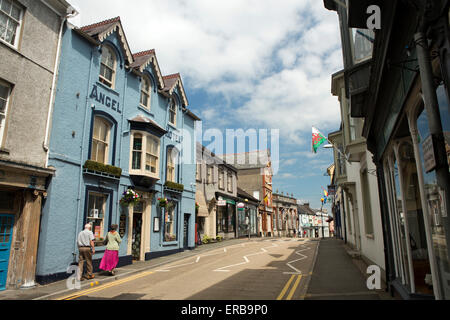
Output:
x,y
144,154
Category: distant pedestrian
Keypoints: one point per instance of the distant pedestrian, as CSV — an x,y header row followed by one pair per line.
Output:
x,y
111,256
86,249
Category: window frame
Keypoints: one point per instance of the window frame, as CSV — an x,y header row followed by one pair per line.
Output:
x,y
172,223
107,143
88,217
4,116
172,154
18,30
146,79
173,110
142,171
229,182
109,83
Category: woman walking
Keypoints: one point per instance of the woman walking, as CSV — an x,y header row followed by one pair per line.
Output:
x,y
111,256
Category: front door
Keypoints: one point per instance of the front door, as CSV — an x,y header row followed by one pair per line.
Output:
x,y
6,229
137,236
186,231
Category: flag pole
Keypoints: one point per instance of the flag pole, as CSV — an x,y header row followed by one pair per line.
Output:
x,y
345,157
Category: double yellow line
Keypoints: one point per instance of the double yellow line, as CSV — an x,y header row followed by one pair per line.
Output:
x,y
286,287
109,285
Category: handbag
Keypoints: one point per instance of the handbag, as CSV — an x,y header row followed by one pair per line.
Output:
x,y
105,242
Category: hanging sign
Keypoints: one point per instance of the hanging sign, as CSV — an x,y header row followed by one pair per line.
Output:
x,y
428,154
221,203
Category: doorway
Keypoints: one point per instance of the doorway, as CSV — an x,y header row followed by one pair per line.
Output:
x,y
136,242
186,231
6,229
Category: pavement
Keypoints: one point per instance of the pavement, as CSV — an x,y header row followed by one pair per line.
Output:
x,y
337,275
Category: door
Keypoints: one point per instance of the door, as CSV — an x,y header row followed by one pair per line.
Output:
x,y
186,231
137,236
6,229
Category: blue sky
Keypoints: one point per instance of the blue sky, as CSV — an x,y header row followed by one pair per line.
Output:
x,y
246,64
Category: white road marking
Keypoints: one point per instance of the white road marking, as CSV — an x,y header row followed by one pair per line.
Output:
x,y
302,258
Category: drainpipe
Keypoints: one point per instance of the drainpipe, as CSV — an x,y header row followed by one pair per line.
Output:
x,y
45,144
434,121
80,178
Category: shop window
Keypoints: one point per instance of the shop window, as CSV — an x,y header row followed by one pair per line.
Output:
x,y
108,67
361,44
5,91
435,194
100,140
10,21
170,233
96,214
146,90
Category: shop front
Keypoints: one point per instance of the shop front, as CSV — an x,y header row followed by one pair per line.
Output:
x,y
226,218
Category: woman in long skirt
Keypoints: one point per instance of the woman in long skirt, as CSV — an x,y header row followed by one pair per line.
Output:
x,y
111,256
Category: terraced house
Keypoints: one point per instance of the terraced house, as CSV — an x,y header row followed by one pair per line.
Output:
x,y
119,125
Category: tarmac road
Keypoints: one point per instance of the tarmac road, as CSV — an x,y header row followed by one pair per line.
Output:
x,y
274,269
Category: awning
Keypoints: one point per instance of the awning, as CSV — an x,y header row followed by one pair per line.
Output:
x,y
201,201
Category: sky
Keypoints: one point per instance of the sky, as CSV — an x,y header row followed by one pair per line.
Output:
x,y
246,64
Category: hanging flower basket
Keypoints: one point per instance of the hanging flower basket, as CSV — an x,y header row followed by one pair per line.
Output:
x,y
197,206
163,202
130,197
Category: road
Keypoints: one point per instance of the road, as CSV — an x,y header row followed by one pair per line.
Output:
x,y
274,269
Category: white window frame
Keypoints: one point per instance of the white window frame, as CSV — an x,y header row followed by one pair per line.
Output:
x,y
90,219
102,78
150,154
229,182
19,22
171,164
142,170
221,179
4,114
147,80
107,143
173,110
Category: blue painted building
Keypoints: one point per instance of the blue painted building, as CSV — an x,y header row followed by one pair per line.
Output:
x,y
118,124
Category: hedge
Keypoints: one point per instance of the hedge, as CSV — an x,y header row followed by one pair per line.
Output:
x,y
100,167
173,185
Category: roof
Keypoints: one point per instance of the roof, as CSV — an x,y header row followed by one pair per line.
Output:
x,y
217,160
246,195
248,160
150,122
101,30
143,59
171,82
305,209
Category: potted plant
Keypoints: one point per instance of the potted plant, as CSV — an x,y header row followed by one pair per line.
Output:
x,y
130,197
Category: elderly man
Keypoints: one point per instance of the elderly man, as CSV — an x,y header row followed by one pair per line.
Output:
x,y
85,245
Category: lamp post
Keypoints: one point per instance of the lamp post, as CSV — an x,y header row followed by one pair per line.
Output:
x,y
321,218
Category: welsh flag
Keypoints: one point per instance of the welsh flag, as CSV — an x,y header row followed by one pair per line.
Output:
x,y
317,139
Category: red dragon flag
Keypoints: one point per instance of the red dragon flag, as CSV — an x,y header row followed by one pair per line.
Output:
x,y
317,139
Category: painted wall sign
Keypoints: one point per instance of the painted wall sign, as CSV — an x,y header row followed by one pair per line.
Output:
x,y
104,99
428,154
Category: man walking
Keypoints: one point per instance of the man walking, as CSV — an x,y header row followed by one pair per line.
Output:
x,y
85,244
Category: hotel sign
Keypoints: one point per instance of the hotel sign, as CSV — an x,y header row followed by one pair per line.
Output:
x,y
104,99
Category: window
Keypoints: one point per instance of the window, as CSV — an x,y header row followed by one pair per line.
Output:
x,y
5,91
362,44
173,112
100,140
137,152
366,203
230,183
108,67
198,173
221,179
151,155
96,214
171,160
146,89
10,21
169,224
148,145
209,175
